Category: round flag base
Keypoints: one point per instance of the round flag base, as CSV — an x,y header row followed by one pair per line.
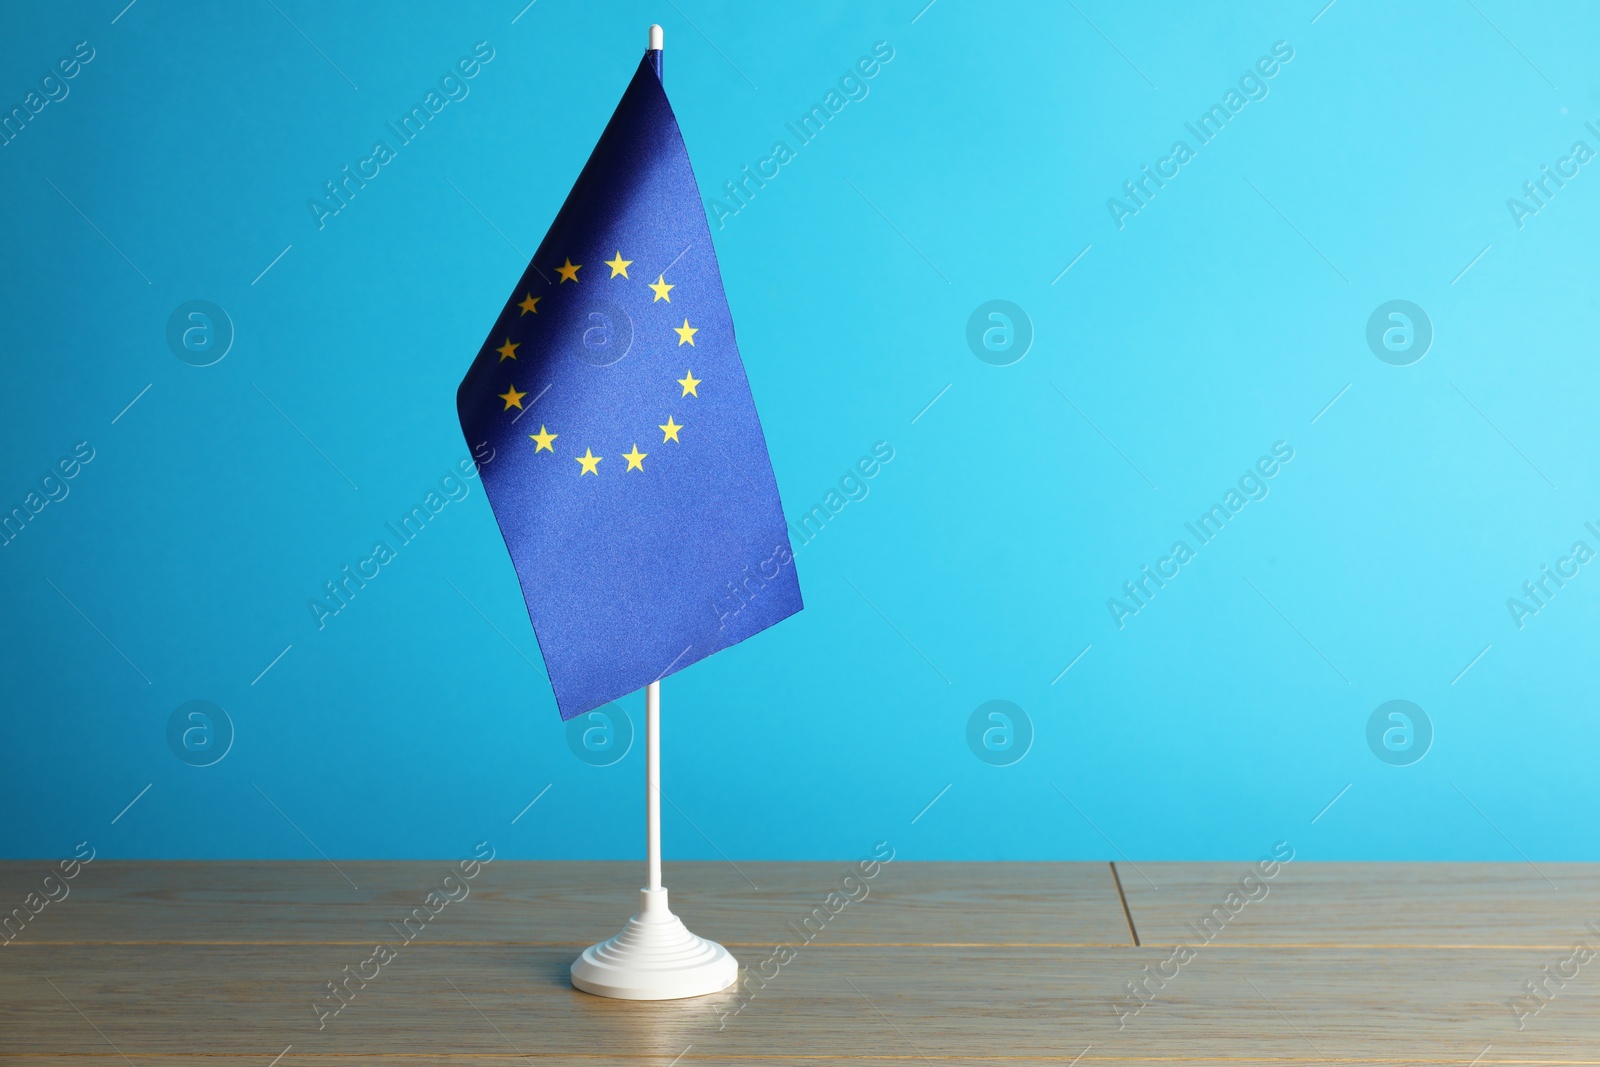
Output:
x,y
654,958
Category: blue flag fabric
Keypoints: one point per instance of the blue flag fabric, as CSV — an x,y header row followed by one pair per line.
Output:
x,y
615,431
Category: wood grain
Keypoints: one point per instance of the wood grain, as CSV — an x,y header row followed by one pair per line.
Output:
x,y
573,904
941,964
1413,904
846,1003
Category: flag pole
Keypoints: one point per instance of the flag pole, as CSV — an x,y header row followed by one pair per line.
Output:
x,y
652,708
652,756
655,957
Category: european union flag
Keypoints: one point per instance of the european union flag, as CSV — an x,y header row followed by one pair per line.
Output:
x,y
625,462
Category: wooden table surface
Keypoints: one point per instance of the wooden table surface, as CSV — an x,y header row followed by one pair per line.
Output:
x,y
940,963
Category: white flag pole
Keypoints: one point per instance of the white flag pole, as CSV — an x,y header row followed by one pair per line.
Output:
x,y
652,749
655,957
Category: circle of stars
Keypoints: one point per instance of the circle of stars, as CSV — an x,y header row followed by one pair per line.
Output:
x,y
544,440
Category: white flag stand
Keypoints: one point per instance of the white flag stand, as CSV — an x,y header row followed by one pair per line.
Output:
x,y
655,957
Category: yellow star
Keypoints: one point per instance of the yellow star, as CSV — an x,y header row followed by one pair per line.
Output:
x,y
590,463
569,273
507,350
542,440
685,332
689,383
529,303
512,398
669,432
619,265
662,288
635,459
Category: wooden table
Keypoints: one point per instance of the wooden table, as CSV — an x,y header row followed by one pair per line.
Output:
x,y
940,963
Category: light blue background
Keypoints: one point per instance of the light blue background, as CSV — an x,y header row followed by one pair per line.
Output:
x,y
1221,319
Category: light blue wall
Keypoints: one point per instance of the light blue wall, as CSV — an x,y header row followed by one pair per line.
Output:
x,y
1218,320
